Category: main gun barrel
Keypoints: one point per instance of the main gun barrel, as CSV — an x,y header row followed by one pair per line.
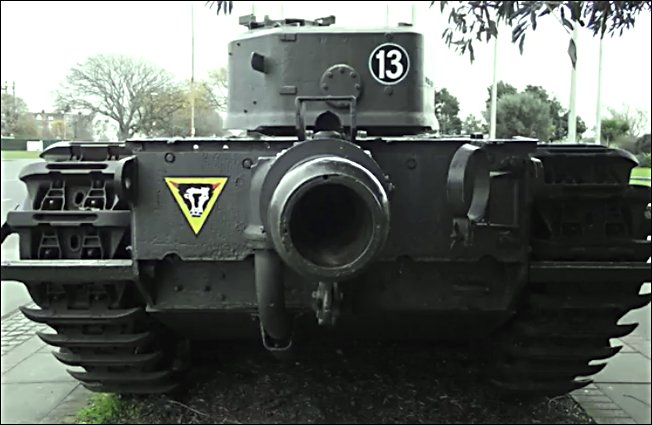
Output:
x,y
328,217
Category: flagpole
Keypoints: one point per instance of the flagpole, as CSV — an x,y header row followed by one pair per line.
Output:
x,y
413,9
572,112
598,105
386,13
494,93
192,76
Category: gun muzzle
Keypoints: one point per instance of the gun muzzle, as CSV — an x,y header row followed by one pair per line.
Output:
x,y
328,217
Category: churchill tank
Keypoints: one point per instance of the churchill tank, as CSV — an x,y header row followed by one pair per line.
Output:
x,y
338,211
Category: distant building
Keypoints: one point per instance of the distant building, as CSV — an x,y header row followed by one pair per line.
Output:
x,y
64,125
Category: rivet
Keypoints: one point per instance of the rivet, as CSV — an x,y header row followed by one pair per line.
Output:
x,y
169,157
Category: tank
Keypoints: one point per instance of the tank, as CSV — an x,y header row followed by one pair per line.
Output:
x,y
339,213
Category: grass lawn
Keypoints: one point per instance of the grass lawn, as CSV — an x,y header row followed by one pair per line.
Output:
x,y
640,172
19,155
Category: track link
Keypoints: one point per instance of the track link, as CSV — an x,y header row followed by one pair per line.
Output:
x,y
565,321
76,263
120,349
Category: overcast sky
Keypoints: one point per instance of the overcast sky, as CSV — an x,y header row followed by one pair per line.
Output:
x,y
41,41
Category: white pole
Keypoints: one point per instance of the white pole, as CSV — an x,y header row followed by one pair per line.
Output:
x,y
192,76
494,94
572,113
414,14
598,105
386,13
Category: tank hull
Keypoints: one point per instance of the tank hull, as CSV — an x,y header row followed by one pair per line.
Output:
x,y
541,254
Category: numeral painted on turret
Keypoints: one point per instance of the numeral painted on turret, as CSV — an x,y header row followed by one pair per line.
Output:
x,y
389,63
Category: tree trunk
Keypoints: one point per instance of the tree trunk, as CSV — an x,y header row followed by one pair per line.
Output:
x,y
124,133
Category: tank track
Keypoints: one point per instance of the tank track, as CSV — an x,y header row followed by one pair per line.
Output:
x,y
119,347
89,291
589,252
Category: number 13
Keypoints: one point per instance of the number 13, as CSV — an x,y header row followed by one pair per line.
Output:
x,y
395,57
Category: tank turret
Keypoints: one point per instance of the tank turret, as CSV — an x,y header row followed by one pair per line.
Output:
x,y
278,60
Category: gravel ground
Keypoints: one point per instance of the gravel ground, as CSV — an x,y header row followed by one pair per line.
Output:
x,y
379,383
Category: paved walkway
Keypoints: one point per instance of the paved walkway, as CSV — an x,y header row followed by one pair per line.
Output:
x,y
621,391
35,387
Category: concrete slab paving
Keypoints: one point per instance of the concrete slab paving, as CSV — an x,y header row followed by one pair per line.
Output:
x,y
14,294
625,368
36,388
47,349
66,411
600,407
20,353
39,367
633,398
615,342
621,392
643,348
29,403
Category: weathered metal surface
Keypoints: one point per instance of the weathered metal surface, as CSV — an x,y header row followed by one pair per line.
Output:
x,y
69,271
574,271
382,68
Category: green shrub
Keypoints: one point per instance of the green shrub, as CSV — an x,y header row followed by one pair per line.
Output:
x,y
100,409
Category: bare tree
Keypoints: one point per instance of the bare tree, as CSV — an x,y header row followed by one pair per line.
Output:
x,y
134,94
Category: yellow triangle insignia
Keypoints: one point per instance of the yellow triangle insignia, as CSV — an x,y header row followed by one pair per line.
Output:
x,y
196,197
